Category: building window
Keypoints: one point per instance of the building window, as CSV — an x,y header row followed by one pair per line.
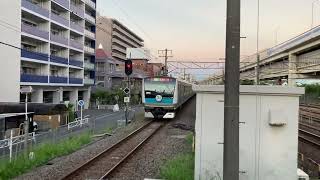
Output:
x,y
48,97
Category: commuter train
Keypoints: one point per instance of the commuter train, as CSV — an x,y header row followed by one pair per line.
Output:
x,y
162,96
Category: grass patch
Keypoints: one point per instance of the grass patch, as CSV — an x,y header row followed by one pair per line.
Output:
x,y
181,167
43,154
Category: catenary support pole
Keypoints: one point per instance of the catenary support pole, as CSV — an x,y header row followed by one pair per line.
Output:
x,y
26,126
231,108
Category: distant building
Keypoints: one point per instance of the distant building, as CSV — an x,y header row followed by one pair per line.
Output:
x,y
110,73
116,37
57,41
140,59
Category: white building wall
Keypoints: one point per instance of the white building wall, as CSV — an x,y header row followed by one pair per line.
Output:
x,y
9,56
266,152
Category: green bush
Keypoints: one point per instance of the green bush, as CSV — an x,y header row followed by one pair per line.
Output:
x,y
43,154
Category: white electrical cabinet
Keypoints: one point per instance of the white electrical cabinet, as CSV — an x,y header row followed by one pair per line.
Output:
x,y
268,132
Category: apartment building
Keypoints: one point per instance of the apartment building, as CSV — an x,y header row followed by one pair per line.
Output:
x,y
57,55
116,37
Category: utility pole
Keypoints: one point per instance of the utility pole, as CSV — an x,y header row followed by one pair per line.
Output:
x,y
258,55
231,96
164,53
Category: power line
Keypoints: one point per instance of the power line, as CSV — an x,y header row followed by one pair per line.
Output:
x,y
126,14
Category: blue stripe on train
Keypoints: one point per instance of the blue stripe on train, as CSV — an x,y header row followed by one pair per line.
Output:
x,y
165,100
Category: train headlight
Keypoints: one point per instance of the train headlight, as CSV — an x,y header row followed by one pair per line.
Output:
x,y
158,98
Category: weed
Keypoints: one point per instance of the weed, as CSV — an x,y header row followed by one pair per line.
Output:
x,y
43,154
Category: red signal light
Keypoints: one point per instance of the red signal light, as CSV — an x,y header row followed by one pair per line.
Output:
x,y
128,67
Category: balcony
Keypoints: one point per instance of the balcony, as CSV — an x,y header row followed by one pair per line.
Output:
x,y
89,34
63,3
75,80
88,65
35,8
119,49
60,60
77,10
34,55
88,49
126,33
32,78
90,3
59,39
76,44
88,81
75,63
58,80
34,31
90,18
76,27
60,19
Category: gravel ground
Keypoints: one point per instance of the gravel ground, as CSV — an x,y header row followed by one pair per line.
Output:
x,y
59,166
166,144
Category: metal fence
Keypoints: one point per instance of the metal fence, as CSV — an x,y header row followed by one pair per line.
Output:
x,y
12,147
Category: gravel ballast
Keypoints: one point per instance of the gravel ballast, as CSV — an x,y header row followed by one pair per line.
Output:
x,y
166,144
58,167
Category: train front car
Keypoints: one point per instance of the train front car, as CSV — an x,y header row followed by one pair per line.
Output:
x,y
160,97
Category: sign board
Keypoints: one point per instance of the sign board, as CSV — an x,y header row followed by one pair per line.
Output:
x,y
126,90
26,89
81,103
126,99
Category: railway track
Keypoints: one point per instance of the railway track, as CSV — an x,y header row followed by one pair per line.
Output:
x,y
309,137
102,165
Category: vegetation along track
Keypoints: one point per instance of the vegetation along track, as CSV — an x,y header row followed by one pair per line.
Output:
x,y
101,166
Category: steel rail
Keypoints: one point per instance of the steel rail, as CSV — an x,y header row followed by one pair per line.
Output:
x,y
129,154
70,174
310,135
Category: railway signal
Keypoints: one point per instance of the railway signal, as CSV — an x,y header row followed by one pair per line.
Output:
x,y
128,67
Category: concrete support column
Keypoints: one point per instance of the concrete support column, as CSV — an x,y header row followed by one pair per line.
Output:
x,y
58,96
74,97
37,96
293,70
86,97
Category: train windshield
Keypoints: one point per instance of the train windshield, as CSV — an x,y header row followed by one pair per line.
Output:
x,y
164,88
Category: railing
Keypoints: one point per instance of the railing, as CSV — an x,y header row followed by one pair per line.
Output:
x,y
10,142
60,19
34,55
89,65
76,44
89,34
75,63
76,27
33,78
64,3
35,8
60,80
77,10
34,31
89,81
78,122
75,80
57,59
91,3
89,49
90,18
59,39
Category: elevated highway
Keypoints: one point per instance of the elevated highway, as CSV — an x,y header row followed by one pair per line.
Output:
x,y
295,59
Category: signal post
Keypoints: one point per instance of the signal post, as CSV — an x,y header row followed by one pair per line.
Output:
x,y
127,90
